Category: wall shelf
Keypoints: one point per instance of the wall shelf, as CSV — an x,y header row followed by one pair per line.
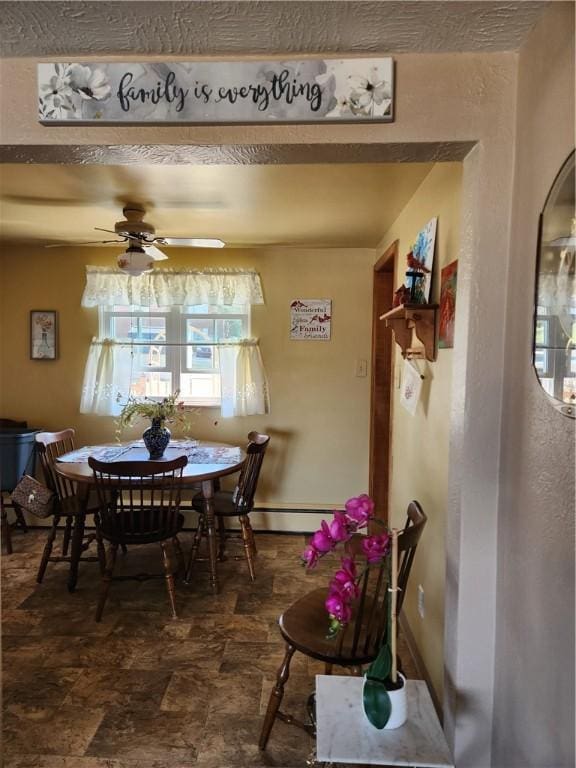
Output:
x,y
414,319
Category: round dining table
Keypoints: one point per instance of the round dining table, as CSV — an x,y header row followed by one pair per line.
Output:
x,y
207,462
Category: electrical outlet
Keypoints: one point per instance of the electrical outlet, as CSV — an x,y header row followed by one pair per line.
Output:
x,y
421,600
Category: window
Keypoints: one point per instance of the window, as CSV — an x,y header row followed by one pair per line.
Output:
x,y
176,348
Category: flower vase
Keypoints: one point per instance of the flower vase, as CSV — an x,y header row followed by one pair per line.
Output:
x,y
156,439
397,703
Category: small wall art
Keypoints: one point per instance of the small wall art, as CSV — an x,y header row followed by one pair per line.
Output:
x,y
449,276
411,387
311,319
43,334
420,261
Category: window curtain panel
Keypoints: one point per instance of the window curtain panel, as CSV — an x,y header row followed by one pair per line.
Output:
x,y
167,288
108,377
243,380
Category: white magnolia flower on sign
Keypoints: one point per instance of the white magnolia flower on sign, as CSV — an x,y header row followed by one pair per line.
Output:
x,y
90,84
370,96
57,91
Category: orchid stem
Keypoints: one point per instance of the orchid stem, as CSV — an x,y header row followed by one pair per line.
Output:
x,y
394,592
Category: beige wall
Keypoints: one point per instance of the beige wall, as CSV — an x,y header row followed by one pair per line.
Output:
x,y
420,442
320,410
534,711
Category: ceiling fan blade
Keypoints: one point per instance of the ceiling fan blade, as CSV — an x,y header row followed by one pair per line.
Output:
x,y
156,253
191,242
111,231
84,242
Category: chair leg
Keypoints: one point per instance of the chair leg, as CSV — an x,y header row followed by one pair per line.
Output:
x,y
221,538
48,549
6,533
106,580
328,668
20,518
252,539
169,571
245,526
179,554
67,536
195,546
101,551
276,696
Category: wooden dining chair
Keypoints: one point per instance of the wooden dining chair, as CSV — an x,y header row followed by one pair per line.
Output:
x,y
237,503
304,624
50,446
139,504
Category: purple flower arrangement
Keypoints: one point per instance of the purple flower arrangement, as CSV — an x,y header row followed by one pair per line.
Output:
x,y
343,588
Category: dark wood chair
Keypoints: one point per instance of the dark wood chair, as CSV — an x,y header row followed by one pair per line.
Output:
x,y
304,625
139,504
51,445
237,503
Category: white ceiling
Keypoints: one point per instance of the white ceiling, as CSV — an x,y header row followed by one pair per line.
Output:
x,y
347,205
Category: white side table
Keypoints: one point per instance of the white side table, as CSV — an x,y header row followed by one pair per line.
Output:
x,y
344,735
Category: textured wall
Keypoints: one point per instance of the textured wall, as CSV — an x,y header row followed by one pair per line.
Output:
x,y
420,443
534,681
232,28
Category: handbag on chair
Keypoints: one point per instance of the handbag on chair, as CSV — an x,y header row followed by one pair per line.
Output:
x,y
34,497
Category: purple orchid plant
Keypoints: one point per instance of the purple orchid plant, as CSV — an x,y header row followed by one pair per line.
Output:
x,y
343,588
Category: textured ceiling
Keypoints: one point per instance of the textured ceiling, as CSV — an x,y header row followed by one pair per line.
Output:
x,y
340,205
62,29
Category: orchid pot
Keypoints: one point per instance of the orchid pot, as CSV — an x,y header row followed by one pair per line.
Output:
x,y
384,703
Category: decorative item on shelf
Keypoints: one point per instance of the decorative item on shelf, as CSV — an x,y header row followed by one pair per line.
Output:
x,y
384,701
416,279
157,436
449,275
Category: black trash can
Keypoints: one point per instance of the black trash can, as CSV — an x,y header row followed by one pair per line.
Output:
x,y
17,455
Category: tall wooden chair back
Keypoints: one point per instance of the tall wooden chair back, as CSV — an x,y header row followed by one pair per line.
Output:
x,y
50,446
366,632
139,500
244,492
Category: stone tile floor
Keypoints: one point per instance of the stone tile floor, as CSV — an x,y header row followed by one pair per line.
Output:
x,y
141,690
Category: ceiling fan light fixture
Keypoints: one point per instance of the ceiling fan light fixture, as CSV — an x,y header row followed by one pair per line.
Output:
x,y
135,261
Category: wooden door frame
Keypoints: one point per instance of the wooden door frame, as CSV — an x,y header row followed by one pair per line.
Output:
x,y
382,383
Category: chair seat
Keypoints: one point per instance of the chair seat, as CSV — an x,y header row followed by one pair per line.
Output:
x,y
223,504
160,532
305,626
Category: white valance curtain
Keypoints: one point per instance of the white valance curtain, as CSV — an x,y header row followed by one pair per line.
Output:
x,y
109,368
168,288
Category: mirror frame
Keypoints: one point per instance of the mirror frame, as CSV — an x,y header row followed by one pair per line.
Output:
x,y
567,409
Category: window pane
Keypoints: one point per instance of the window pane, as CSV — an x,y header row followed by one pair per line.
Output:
x,y
124,328
202,358
152,328
200,329
200,387
152,384
230,329
217,309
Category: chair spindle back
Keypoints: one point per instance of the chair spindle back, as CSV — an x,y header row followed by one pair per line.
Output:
x,y
138,499
50,446
248,480
371,619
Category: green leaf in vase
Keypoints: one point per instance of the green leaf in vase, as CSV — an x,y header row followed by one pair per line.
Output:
x,y
377,704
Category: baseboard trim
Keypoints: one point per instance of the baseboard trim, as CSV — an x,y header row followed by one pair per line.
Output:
x,y
419,664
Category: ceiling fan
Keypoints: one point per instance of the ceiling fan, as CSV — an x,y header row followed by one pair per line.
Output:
x,y
142,241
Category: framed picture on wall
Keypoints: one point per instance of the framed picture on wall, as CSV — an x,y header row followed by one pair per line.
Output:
x,y
447,305
43,334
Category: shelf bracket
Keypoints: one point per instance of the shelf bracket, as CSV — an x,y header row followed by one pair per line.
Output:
x,y
418,320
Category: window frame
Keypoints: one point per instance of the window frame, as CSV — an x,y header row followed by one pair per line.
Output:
x,y
176,344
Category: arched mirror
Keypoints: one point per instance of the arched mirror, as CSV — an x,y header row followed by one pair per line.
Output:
x,y
555,310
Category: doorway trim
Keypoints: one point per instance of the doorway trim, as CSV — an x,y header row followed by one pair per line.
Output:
x,y
381,392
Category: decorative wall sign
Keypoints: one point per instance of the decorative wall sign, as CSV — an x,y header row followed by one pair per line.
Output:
x,y
423,254
310,319
311,90
43,334
447,305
